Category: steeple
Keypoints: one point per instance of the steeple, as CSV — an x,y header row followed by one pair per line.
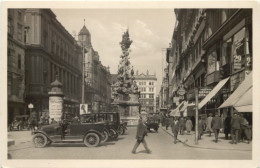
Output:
x,y
85,36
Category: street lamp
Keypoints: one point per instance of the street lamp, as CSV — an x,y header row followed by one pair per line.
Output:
x,y
30,106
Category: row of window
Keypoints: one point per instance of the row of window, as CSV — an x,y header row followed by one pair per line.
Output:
x,y
147,102
56,44
143,89
70,82
144,83
151,96
12,60
11,28
230,54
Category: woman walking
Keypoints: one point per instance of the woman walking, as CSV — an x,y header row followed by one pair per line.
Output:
x,y
188,125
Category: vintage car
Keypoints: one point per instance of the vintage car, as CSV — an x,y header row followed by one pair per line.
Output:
x,y
88,133
152,122
112,120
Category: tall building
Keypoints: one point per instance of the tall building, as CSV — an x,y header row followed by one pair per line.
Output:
x,y
16,64
97,76
211,48
147,86
50,51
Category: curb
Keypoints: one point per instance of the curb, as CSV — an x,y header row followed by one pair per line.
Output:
x,y
184,142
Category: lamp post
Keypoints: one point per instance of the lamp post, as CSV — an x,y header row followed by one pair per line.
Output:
x,y
30,106
83,75
196,116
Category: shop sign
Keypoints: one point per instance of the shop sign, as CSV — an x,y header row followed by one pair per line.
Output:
x,y
181,97
181,92
203,92
239,51
84,109
176,99
237,62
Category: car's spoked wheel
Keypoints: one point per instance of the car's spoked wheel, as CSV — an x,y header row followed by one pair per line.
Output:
x,y
40,140
121,130
91,140
104,136
113,133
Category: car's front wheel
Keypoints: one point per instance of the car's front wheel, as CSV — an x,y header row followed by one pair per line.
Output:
x,y
40,140
91,139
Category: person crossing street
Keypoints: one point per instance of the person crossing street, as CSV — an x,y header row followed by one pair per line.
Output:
x,y
141,133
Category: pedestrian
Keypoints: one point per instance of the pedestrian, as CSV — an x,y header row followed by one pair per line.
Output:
x,y
175,128
235,127
227,126
244,127
53,121
209,127
75,120
200,126
167,122
216,125
188,125
181,125
141,133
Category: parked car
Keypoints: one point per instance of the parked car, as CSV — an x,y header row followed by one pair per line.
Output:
x,y
152,122
112,120
88,133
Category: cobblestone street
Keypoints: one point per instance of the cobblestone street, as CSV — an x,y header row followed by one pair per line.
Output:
x,y
160,143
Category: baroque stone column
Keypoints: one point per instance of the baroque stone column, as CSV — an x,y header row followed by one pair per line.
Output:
x,y
56,100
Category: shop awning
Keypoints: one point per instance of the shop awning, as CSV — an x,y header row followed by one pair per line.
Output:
x,y
187,109
239,92
244,104
176,111
212,93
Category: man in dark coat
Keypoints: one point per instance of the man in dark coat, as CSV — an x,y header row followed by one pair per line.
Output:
x,y
235,127
167,122
227,126
216,125
175,128
75,120
141,133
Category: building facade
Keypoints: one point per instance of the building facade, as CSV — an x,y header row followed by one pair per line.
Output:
x,y
51,52
97,76
164,90
209,45
147,86
16,64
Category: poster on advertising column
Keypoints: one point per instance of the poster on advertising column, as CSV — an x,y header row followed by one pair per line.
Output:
x,y
84,109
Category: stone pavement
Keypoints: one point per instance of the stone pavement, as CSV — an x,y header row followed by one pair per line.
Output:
x,y
208,142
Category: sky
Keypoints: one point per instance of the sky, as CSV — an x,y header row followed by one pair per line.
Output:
x,y
150,29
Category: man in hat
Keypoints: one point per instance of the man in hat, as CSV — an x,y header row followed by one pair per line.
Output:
x,y
75,120
175,128
141,133
209,121
216,125
235,127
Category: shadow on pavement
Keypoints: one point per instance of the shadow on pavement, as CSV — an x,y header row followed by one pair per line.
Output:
x,y
106,144
67,145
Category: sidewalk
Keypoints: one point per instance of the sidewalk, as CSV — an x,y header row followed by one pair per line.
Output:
x,y
208,142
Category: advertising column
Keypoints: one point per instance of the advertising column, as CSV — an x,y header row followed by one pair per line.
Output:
x,y
56,101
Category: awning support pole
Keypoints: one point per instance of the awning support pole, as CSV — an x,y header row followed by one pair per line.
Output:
x,y
196,116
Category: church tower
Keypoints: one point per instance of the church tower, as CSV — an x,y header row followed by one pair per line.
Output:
x,y
85,36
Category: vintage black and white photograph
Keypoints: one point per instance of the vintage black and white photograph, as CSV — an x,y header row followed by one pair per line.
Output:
x,y
129,83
